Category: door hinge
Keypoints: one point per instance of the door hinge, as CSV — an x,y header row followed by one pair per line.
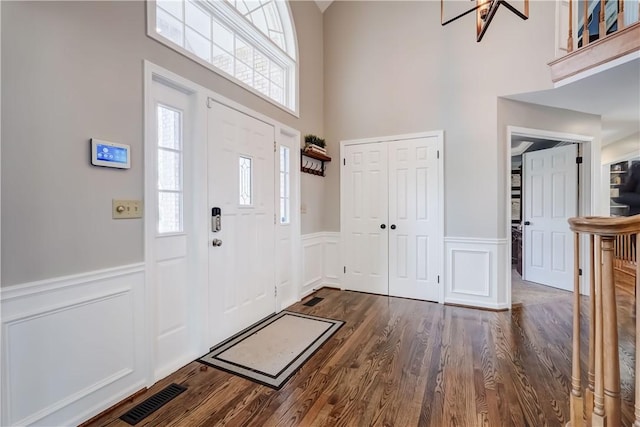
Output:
x,y
438,278
579,160
345,269
344,162
579,272
438,154
274,146
274,218
275,291
209,102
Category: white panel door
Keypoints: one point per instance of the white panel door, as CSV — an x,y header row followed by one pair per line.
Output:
x,y
365,215
413,219
550,198
241,184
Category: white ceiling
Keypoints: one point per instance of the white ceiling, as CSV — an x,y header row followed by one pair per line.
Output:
x,y
613,94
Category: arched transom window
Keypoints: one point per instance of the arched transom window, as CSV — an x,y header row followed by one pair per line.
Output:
x,y
250,42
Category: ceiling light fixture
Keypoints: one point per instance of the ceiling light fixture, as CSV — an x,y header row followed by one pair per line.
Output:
x,y
485,11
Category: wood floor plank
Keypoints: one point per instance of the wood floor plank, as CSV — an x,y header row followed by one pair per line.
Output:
x,y
401,362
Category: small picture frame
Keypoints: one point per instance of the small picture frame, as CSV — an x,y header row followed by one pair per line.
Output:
x,y
516,179
515,210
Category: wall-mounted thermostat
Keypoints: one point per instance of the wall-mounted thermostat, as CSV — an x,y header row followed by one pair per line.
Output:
x,y
110,154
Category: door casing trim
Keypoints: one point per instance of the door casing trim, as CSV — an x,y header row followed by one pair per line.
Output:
x,y
586,205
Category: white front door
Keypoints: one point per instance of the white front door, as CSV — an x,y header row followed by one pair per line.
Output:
x,y
550,198
241,184
413,219
365,218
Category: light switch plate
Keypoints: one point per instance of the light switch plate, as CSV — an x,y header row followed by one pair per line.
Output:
x,y
126,209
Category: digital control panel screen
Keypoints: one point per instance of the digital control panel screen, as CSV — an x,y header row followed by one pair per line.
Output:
x,y
110,154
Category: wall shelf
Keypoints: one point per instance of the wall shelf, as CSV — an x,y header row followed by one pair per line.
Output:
x,y
312,167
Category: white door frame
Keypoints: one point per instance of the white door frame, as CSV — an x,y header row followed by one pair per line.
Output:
x,y
588,191
199,260
439,134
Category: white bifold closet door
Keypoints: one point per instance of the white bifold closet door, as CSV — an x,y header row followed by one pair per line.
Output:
x,y
390,218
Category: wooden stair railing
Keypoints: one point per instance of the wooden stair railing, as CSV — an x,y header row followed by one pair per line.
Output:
x,y
602,30
600,404
587,51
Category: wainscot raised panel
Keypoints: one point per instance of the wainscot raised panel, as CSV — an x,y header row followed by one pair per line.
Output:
x,y
331,252
320,261
72,346
474,276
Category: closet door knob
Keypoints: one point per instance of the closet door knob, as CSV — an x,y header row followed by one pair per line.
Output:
x,y
383,226
393,226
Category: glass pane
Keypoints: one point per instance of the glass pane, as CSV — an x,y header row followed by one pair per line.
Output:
x,y
222,36
169,170
169,27
277,94
244,52
174,7
273,17
261,63
198,19
277,74
278,38
284,186
245,181
259,20
169,212
169,128
222,60
262,84
197,44
244,73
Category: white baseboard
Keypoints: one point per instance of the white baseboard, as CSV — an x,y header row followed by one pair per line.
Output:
x,y
320,261
474,275
72,346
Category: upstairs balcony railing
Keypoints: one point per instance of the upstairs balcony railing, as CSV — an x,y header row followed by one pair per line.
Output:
x,y
599,404
599,31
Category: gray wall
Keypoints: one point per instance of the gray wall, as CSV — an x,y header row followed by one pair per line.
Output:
x,y
72,71
626,147
522,114
391,68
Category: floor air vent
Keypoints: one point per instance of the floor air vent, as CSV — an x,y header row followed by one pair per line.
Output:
x,y
152,404
313,301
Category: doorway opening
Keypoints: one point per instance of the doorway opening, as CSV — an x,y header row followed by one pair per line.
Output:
x,y
550,181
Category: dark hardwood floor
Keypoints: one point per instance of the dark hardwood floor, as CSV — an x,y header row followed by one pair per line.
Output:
x,y
401,362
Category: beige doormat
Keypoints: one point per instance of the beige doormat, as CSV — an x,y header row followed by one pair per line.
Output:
x,y
271,351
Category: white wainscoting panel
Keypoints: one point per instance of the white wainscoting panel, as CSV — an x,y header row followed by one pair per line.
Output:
x,y
331,259
72,346
474,274
320,261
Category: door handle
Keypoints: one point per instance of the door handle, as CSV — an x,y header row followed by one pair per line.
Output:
x,y
217,242
393,226
527,223
383,226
